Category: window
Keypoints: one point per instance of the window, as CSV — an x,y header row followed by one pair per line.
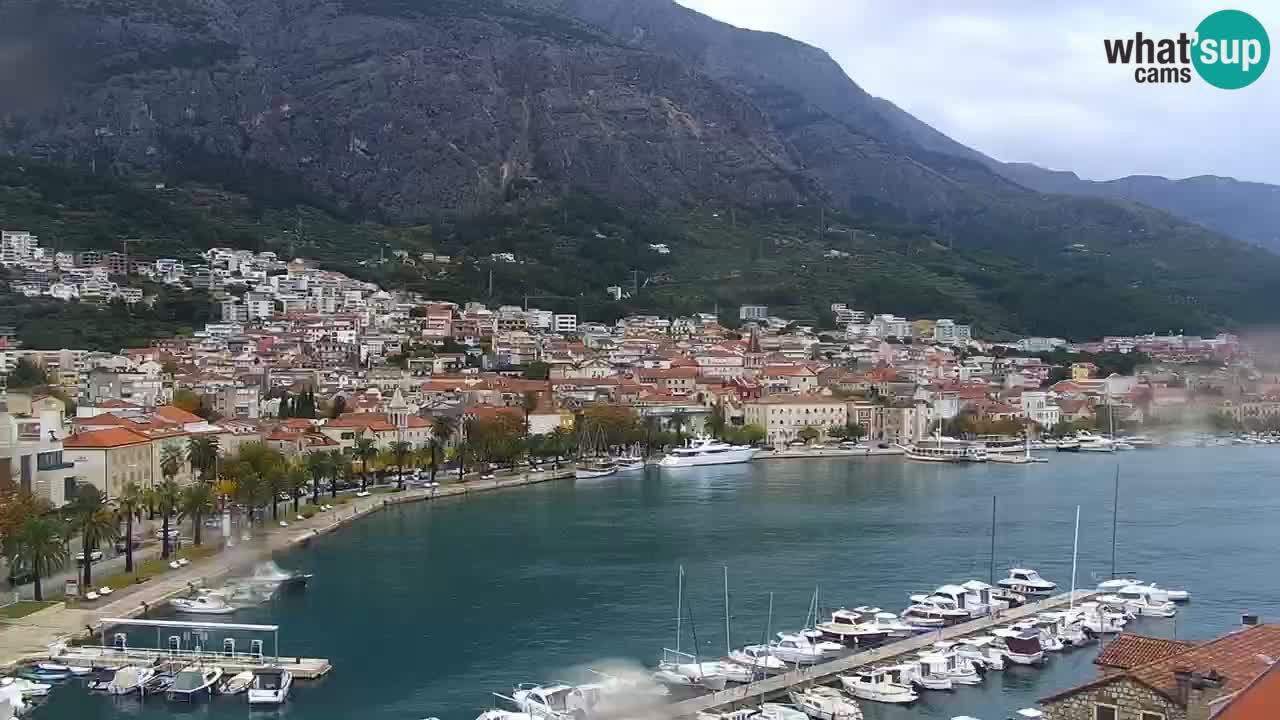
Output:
x,y
1104,712
1149,715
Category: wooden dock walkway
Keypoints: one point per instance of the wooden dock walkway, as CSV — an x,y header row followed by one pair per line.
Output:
x,y
825,673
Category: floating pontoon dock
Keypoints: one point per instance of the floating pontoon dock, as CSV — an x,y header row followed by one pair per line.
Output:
x,y
188,648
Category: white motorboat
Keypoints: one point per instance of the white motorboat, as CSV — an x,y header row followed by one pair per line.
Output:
x,y
803,648
949,664
826,703
1094,443
500,714
1154,594
1067,444
876,685
1140,442
887,622
270,687
206,603
921,676
26,688
707,451
12,703
934,611
193,682
1137,600
684,670
553,701
974,597
946,450
846,627
130,679
759,658
1116,584
1021,647
778,711
1049,641
236,684
73,670
981,649
1101,619
1066,627
1028,582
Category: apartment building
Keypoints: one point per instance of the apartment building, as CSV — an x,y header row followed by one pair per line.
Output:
x,y
784,416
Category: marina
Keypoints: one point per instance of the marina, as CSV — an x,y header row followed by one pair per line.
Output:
x,y
582,575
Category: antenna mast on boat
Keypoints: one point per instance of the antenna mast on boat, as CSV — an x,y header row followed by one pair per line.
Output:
x,y
1075,552
1115,517
992,581
679,605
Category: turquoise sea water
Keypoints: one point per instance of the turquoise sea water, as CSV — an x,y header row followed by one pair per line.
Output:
x,y
426,609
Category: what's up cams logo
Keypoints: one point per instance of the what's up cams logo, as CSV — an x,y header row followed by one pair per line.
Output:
x,y
1229,50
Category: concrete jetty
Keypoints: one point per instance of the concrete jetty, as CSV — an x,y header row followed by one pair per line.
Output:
x,y
826,673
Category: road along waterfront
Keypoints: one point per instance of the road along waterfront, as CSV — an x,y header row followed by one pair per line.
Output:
x,y
426,608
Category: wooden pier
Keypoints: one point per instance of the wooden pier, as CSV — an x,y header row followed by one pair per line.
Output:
x,y
826,673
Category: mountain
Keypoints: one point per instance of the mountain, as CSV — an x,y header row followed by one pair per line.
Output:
x,y
1247,211
471,117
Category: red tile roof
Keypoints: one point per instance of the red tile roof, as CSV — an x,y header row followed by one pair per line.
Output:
x,y
1258,701
1129,650
106,420
109,438
177,415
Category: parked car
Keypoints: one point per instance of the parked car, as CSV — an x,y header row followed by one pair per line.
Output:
x,y
174,533
122,545
94,555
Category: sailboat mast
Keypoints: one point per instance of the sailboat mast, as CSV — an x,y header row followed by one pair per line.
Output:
x,y
1075,553
1115,517
992,581
768,628
728,646
679,605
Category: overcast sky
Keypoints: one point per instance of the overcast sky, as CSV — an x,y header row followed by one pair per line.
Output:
x,y
1028,81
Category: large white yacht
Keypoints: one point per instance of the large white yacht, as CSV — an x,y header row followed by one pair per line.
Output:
x,y
1025,581
1095,443
707,451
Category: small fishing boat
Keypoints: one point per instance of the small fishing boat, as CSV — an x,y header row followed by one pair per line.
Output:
x,y
677,670
1137,600
1101,619
236,684
846,627
193,682
270,687
206,603
553,701
1067,444
804,649
626,463
933,611
981,649
778,711
158,684
952,665
825,703
42,676
876,685
887,622
928,672
1025,581
131,679
295,581
594,470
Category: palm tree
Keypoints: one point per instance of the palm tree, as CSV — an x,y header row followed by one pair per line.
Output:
x,y
40,547
172,458
95,522
651,430
202,453
677,421
716,421
558,440
130,504
529,403
365,450
195,502
341,470
165,497
320,464
400,450
442,429
265,464
295,481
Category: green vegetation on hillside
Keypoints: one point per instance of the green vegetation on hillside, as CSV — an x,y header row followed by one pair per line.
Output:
x,y
1055,278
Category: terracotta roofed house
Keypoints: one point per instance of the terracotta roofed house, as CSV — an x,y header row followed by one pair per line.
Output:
x,y
110,458
1176,683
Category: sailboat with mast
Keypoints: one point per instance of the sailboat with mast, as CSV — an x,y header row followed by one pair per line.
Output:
x,y
593,455
681,669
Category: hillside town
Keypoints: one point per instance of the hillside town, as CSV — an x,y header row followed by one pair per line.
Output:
x,y
382,365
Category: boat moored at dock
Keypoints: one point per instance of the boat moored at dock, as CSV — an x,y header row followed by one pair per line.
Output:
x,y
707,451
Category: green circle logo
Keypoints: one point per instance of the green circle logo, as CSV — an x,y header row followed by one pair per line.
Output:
x,y
1232,49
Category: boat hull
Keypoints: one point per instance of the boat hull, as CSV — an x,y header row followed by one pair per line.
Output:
x,y
728,457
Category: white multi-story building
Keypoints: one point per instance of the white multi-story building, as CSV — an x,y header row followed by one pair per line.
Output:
x,y
1037,406
753,312
947,332
17,246
784,416
564,323
890,326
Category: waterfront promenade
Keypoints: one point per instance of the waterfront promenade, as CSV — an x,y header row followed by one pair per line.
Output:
x,y
28,638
